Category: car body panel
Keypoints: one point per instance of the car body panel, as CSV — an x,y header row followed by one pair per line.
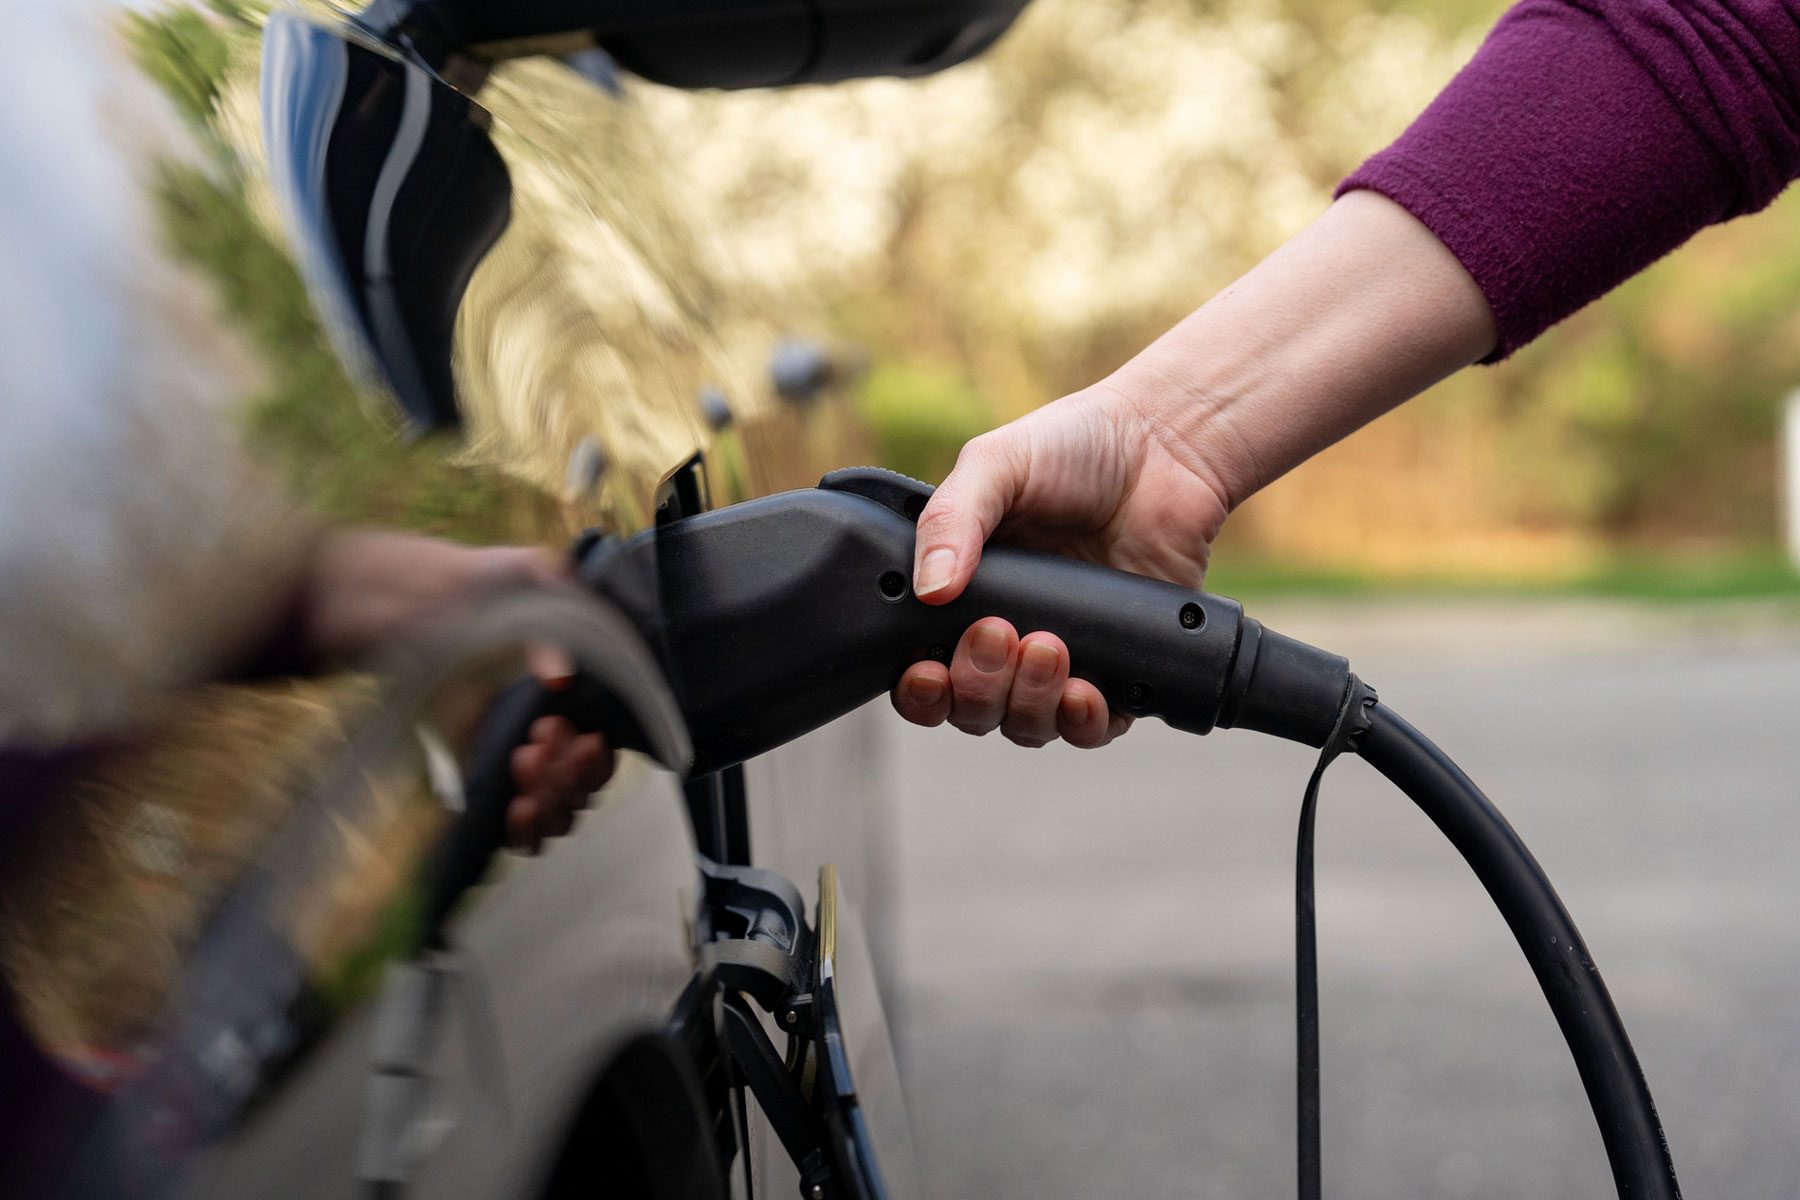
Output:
x,y
596,323
535,1010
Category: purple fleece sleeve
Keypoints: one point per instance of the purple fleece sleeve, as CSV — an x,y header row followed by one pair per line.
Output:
x,y
1588,138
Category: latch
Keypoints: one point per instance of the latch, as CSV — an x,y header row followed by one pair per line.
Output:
x,y
757,951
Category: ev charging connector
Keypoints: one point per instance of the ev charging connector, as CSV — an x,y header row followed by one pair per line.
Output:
x,y
775,616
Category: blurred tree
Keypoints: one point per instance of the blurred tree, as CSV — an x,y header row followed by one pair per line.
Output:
x,y
1033,218
1012,229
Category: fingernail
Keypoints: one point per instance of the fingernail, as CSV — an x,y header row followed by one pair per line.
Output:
x,y
928,690
1037,663
935,572
988,649
1075,708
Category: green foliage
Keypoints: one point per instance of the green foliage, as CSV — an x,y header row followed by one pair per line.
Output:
x,y
357,975
920,415
309,418
185,54
1654,414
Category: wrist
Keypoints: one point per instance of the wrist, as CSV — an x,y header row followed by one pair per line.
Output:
x,y
1360,311
1192,401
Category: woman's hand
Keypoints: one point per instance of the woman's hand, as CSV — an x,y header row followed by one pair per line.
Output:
x,y
1096,475
1360,311
365,587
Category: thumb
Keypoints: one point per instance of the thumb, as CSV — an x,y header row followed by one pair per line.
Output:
x,y
961,515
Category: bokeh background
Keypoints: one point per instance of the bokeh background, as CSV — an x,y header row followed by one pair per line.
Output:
x,y
1012,230
1015,229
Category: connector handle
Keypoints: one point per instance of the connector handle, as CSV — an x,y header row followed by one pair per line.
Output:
x,y
777,615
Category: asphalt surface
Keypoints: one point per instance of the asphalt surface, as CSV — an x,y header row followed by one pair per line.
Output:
x,y
1097,947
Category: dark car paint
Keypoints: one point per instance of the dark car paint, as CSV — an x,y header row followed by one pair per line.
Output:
x,y
560,965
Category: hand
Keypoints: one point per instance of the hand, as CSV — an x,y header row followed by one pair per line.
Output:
x,y
1359,311
365,587
1098,475
556,771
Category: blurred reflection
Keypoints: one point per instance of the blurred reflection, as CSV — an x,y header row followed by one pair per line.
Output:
x,y
602,316
200,912
117,876
204,885
867,1105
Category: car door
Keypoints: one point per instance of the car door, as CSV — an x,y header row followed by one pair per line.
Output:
x,y
214,933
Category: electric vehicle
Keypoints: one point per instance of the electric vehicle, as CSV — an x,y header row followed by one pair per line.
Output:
x,y
236,964
329,980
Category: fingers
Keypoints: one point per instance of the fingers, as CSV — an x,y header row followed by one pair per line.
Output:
x,y
1037,690
556,771
1020,686
981,675
923,694
1082,717
960,516
522,832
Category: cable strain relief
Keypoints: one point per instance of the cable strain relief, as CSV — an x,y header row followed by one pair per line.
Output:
x,y
1283,687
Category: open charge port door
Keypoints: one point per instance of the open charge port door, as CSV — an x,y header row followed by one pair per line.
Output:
x,y
801,1031
866,1110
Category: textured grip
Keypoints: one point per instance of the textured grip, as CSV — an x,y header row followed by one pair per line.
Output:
x,y
777,615
1152,648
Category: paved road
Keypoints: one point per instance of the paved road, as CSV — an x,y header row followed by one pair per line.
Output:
x,y
1097,947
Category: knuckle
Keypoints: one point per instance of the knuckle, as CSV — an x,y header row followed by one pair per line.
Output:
x,y
1086,734
944,517
978,450
940,515
974,717
1081,738
1031,739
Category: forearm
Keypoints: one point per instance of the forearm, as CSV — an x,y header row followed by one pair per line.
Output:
x,y
1586,139
1360,311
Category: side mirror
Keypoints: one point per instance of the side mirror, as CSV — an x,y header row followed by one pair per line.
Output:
x,y
391,192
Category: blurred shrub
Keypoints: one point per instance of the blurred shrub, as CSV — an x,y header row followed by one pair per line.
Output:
x,y
184,53
1033,218
308,418
920,414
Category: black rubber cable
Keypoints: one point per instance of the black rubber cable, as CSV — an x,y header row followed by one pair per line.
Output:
x,y
1620,1098
1352,722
